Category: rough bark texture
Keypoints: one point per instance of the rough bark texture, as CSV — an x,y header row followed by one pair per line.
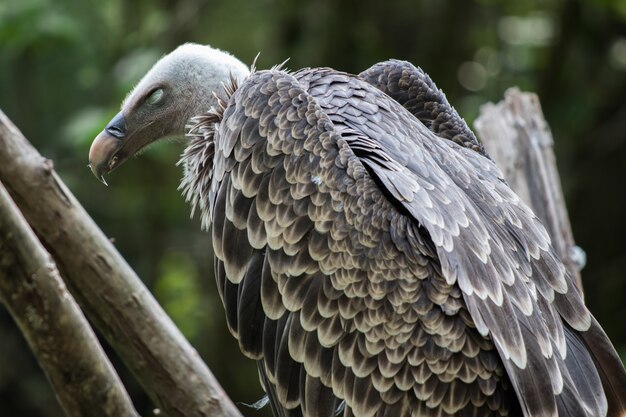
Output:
x,y
518,138
107,289
52,323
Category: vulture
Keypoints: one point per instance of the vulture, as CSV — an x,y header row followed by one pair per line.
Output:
x,y
369,254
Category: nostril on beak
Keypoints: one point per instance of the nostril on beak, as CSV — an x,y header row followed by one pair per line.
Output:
x,y
117,126
115,131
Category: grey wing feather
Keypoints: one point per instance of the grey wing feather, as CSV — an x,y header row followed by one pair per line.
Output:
x,y
259,230
497,252
416,92
372,256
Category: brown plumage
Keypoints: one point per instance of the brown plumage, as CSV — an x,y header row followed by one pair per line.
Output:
x,y
373,261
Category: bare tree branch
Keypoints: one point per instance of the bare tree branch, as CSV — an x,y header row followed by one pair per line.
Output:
x,y
518,138
52,323
108,290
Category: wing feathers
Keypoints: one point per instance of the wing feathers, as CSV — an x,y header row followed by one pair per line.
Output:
x,y
363,259
250,316
609,366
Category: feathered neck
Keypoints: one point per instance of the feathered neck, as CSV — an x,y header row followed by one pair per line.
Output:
x,y
198,156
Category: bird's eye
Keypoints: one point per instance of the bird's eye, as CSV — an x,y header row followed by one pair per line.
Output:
x,y
155,97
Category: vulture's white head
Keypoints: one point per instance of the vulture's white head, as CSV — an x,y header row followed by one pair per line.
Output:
x,y
179,86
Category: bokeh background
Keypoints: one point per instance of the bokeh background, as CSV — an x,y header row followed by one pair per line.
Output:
x,y
65,65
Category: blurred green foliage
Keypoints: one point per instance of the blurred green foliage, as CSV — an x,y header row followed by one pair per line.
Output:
x,y
65,65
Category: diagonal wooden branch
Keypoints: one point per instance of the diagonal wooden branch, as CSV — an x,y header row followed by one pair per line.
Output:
x,y
52,323
107,289
518,138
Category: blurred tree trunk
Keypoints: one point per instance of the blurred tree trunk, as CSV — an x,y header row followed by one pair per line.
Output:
x,y
107,289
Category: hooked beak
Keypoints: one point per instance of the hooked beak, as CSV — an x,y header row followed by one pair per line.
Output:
x,y
104,152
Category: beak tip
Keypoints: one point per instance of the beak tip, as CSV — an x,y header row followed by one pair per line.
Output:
x,y
97,173
102,155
